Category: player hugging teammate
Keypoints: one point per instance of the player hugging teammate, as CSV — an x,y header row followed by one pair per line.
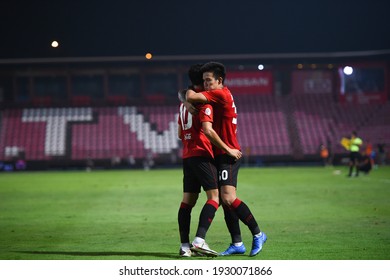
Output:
x,y
215,113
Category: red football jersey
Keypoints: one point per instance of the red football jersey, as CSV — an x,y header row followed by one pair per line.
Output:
x,y
195,142
225,117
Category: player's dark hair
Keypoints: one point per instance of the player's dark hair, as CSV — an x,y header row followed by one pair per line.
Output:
x,y
195,74
218,69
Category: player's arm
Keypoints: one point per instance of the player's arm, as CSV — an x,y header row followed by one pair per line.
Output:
x,y
195,97
182,97
217,141
191,108
179,132
179,128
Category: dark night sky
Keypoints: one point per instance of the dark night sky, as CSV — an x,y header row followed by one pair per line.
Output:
x,y
173,27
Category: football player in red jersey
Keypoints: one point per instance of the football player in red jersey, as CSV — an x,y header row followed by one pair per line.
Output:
x,y
199,170
225,125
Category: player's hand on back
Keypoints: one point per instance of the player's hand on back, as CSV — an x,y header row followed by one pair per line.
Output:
x,y
190,108
237,154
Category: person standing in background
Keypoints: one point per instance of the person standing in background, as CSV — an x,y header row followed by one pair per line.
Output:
x,y
324,154
354,155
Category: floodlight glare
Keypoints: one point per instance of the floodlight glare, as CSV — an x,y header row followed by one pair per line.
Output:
x,y
348,70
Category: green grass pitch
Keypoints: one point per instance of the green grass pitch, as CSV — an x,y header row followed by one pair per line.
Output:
x,y
307,213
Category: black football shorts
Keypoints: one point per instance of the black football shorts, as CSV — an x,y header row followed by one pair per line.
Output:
x,y
198,172
227,170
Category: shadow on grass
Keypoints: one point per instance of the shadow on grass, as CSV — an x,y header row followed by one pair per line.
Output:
x,y
96,254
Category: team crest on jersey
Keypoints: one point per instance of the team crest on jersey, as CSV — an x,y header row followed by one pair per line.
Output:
x,y
207,111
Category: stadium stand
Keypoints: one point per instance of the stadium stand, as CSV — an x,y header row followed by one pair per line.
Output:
x,y
321,119
262,125
21,137
377,127
79,133
154,126
314,122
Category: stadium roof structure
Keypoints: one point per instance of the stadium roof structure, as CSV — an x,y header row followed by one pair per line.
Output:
x,y
284,57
